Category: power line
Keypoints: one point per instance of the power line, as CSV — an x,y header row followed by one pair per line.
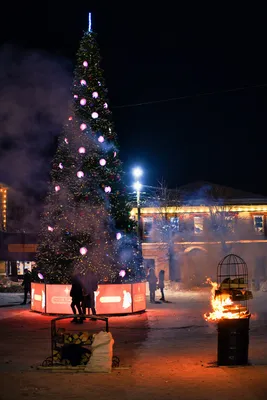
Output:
x,y
191,96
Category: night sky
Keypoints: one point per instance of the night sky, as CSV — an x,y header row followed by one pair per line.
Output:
x,y
152,54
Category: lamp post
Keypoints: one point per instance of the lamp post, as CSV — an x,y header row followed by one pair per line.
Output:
x,y
137,173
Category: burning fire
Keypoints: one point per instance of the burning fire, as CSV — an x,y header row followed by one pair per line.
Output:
x,y
223,307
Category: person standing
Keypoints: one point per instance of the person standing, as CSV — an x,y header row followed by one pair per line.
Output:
x,y
161,284
152,280
76,294
89,286
26,284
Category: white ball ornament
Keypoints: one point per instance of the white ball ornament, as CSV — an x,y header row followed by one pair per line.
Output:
x,y
80,174
105,105
102,162
82,102
83,82
101,139
85,64
60,165
118,236
94,115
50,228
83,127
107,189
95,95
81,150
57,188
83,251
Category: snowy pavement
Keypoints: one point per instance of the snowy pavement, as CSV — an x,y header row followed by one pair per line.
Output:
x,y
169,351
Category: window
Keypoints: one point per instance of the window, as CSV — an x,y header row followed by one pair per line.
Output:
x,y
175,223
258,223
229,223
147,225
198,225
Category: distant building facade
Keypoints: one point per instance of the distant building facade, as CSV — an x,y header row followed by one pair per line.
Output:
x,y
189,231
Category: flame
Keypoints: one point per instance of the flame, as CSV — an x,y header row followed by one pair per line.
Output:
x,y
223,307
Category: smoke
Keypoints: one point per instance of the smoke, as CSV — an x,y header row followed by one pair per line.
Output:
x,y
34,94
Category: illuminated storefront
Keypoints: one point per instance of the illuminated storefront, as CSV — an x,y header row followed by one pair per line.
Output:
x,y
109,299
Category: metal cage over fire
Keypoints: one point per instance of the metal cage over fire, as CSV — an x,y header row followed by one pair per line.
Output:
x,y
232,289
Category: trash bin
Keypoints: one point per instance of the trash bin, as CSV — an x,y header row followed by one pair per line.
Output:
x,y
233,341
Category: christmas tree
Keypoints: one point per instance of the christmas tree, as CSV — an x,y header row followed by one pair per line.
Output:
x,y
86,221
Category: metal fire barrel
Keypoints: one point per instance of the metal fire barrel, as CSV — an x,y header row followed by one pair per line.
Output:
x,y
233,341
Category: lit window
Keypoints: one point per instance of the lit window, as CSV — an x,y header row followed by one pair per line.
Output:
x,y
175,223
229,223
258,223
198,225
147,224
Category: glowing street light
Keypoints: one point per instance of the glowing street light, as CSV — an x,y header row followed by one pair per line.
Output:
x,y
137,172
137,186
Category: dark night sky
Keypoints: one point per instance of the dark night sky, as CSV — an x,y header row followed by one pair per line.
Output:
x,y
152,54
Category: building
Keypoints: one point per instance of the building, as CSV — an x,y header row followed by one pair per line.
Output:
x,y
17,249
186,232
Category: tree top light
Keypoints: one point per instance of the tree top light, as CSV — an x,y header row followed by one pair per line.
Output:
x,y
137,172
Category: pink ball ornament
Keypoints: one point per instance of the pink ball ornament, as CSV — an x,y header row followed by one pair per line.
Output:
x,y
66,140
83,82
60,165
80,174
83,127
95,95
57,188
102,162
94,115
115,153
118,236
50,228
75,96
83,251
106,105
85,64
82,102
107,189
122,273
81,150
101,139
70,118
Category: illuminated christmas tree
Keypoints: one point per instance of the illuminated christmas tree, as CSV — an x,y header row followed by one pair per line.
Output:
x,y
86,221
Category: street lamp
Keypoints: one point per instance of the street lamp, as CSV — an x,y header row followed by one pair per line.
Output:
x,y
137,173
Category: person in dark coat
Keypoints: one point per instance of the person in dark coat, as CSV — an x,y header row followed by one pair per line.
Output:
x,y
76,294
161,284
89,286
152,280
27,278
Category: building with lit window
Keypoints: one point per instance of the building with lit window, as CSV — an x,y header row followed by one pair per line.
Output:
x,y
187,232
